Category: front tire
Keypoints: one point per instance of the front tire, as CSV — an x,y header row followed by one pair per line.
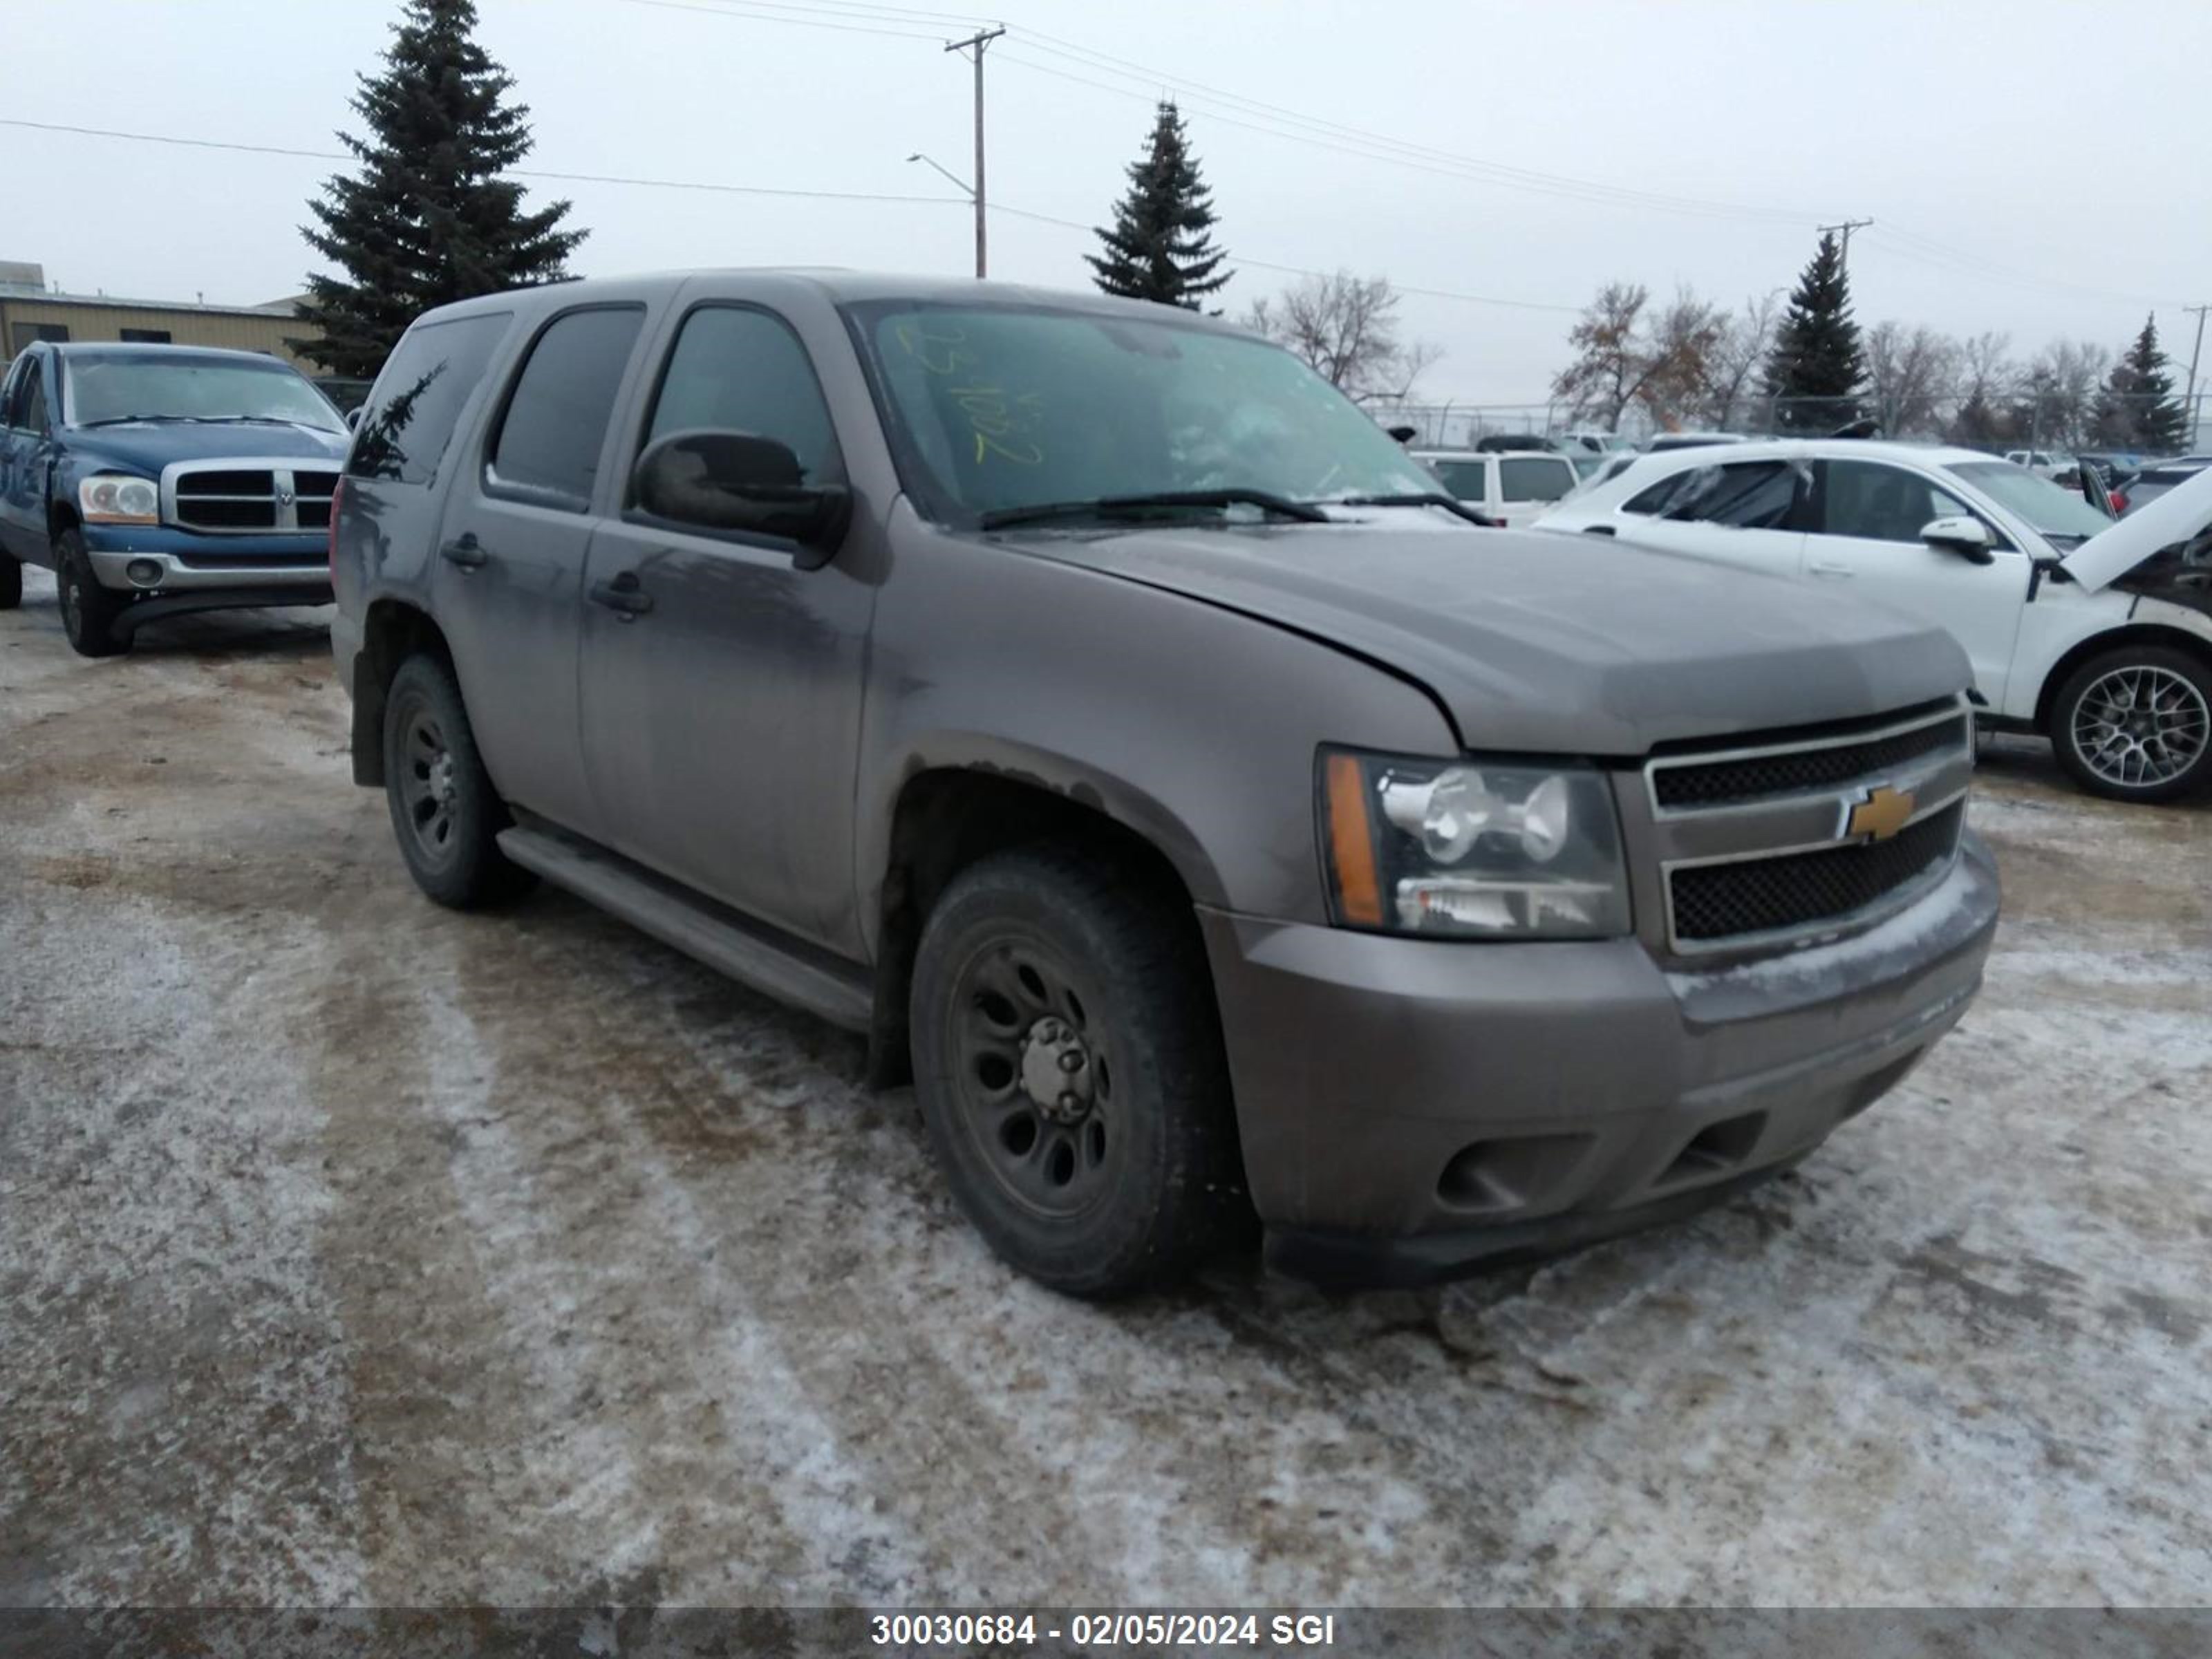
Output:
x,y
11,582
1069,1063
2135,724
444,812
88,610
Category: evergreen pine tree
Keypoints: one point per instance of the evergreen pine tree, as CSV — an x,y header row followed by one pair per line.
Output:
x,y
2138,410
428,219
1817,360
1160,247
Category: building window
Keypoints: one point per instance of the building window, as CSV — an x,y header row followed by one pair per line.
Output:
x,y
24,334
145,337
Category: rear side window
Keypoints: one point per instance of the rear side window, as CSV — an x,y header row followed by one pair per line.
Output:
x,y
1745,494
410,417
735,369
1526,479
555,425
1468,481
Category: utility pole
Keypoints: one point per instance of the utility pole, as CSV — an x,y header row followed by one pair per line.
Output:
x,y
2195,414
975,43
1846,228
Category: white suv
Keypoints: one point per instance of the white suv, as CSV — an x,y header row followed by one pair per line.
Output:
x,y
2096,634
1511,485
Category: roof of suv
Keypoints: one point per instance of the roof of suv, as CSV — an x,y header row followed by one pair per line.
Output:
x,y
839,286
1785,449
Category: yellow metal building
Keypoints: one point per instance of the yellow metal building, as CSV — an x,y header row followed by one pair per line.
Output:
x,y
30,311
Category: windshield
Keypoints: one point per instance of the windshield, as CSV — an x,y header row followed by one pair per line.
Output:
x,y
186,387
2062,514
999,408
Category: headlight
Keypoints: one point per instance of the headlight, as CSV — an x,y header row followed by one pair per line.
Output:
x,y
111,498
1471,849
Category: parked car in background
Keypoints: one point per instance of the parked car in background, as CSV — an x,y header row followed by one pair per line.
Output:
x,y
2157,478
1511,487
1205,819
2095,633
1600,444
2049,463
1500,443
159,479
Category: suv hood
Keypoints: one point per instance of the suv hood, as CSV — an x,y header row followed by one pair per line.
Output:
x,y
2174,517
147,446
1543,642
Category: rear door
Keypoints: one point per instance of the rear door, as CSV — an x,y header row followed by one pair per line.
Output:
x,y
1868,519
722,720
1749,514
508,581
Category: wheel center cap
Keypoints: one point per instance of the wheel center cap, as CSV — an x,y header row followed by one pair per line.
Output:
x,y
441,779
1056,1070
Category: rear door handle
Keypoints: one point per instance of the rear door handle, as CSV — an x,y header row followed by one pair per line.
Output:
x,y
1599,530
621,595
1822,567
466,551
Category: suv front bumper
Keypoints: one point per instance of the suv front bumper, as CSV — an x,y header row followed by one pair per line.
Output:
x,y
1412,1108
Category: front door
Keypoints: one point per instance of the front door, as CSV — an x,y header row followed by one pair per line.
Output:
x,y
509,577
721,684
1869,518
25,446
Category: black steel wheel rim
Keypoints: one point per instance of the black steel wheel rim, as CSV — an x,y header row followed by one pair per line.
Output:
x,y
1033,1077
72,603
428,786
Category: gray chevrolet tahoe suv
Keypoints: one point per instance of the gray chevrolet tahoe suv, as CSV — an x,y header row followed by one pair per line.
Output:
x,y
1087,702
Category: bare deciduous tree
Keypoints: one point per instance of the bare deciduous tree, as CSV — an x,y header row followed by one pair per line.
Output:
x,y
1680,352
1610,365
1345,328
1736,359
2056,395
1908,370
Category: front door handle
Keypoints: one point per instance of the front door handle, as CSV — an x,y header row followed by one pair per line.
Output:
x,y
621,595
1599,530
466,551
1822,567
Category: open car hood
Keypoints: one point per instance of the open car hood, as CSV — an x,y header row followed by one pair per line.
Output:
x,y
2172,521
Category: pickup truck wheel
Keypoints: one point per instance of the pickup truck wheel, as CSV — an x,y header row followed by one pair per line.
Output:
x,y
1070,1068
444,811
88,610
11,582
2135,724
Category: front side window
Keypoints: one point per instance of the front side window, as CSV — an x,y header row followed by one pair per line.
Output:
x,y
1526,478
735,369
1005,408
411,411
1880,503
1468,481
31,399
1743,495
106,388
549,444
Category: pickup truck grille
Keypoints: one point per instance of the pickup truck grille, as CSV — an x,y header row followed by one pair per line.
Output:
x,y
1770,843
242,497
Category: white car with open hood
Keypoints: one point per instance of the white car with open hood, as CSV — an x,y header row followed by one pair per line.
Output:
x,y
2095,633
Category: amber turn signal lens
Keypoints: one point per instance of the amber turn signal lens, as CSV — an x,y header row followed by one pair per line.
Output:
x,y
1352,843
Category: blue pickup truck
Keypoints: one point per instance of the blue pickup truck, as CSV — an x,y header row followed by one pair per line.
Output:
x,y
156,479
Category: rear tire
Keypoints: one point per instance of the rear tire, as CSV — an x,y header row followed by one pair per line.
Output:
x,y
1069,1063
445,812
2135,724
11,582
88,610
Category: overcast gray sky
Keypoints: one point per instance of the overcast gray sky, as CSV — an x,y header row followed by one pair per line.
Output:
x,y
2032,166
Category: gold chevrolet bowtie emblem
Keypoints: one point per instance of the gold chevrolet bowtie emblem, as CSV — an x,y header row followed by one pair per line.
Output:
x,y
1882,814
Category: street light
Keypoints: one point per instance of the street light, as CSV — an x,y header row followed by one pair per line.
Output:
x,y
966,189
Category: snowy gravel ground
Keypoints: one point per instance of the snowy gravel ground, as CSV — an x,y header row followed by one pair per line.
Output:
x,y
355,1252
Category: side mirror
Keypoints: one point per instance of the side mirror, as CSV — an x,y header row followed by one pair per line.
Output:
x,y
737,481
1969,538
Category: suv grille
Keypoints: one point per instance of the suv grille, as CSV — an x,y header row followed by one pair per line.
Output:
x,y
1721,782
227,497
1803,889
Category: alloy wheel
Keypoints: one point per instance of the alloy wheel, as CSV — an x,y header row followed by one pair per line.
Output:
x,y
2142,725
429,785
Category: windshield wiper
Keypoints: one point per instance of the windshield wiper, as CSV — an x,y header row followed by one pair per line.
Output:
x,y
1423,498
1122,506
126,420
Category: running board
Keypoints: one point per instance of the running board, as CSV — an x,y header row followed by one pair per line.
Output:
x,y
717,936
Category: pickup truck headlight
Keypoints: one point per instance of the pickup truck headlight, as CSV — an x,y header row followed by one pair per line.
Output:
x,y
1472,848
115,498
